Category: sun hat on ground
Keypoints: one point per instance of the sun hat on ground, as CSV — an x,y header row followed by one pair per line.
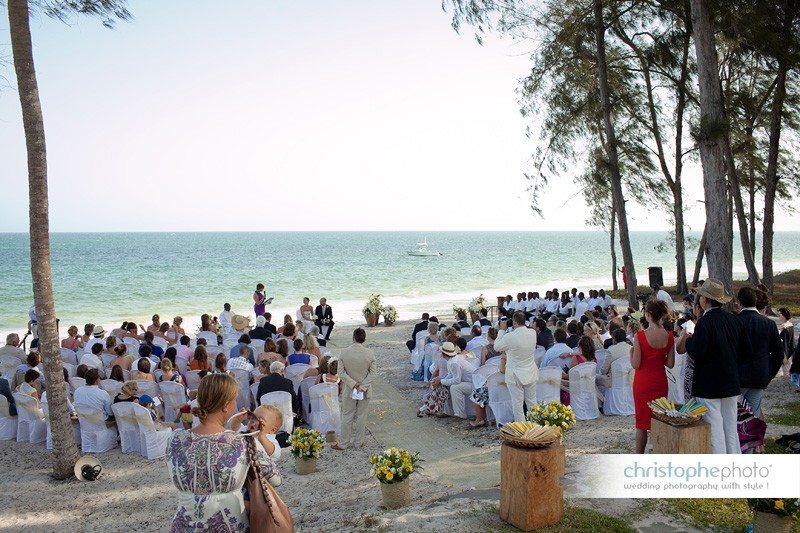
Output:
x,y
713,289
87,468
449,349
240,323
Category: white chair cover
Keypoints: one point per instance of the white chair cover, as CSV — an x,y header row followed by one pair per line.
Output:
x,y
127,427
600,357
152,441
583,395
465,331
548,387
95,435
243,377
174,395
257,345
418,353
8,423
619,398
295,373
538,355
68,356
133,345
499,399
192,379
8,366
160,342
182,364
106,358
283,401
209,336
214,350
76,429
325,412
305,396
485,330
70,369
111,386
31,426
481,374
675,379
158,374
254,392
77,382
147,387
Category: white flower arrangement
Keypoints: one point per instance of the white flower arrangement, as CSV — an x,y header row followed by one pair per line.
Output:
x,y
373,306
477,304
389,313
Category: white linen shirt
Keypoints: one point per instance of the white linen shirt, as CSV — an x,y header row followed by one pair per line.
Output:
x,y
519,346
580,308
665,297
459,369
552,355
94,396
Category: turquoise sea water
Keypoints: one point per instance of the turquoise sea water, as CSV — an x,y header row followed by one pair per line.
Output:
x,y
106,278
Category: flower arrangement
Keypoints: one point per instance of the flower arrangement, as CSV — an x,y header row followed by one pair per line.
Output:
x,y
394,465
552,414
373,306
778,506
477,304
185,414
307,443
389,313
457,310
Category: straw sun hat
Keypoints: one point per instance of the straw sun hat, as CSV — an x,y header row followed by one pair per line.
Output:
x,y
448,349
713,289
87,468
240,322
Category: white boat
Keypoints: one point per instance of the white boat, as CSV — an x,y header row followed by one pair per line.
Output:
x,y
423,251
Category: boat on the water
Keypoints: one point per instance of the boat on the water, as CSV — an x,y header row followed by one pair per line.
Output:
x,y
423,250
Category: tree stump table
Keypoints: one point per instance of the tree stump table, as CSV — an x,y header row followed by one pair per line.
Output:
x,y
531,495
695,438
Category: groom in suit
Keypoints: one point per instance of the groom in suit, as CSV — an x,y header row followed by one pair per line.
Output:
x,y
324,317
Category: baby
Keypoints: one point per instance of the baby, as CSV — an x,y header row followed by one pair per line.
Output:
x,y
267,420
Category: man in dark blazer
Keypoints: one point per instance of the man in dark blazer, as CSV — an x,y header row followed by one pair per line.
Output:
x,y
420,326
483,320
269,326
717,348
544,337
767,351
324,317
275,382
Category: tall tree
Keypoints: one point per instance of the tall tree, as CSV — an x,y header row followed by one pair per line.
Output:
x,y
711,137
65,452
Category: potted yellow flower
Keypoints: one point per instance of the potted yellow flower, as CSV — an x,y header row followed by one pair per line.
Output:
x,y
552,414
773,515
307,447
393,467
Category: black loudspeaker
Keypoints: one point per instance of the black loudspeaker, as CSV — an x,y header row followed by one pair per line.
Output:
x,y
656,275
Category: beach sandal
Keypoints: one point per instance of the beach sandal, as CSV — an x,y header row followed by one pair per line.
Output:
x,y
794,447
483,424
420,414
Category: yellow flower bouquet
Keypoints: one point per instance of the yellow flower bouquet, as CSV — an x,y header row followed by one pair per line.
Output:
x,y
307,443
552,414
394,465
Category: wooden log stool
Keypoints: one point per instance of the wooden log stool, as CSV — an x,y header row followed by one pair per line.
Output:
x,y
695,438
531,495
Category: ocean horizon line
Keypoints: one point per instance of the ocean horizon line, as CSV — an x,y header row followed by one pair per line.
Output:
x,y
365,232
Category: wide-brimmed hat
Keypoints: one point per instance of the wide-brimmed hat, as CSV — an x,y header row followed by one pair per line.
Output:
x,y
98,331
449,349
713,289
87,468
239,322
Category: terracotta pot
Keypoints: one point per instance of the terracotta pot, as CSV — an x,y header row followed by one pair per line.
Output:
x,y
304,466
372,320
387,322
771,523
396,495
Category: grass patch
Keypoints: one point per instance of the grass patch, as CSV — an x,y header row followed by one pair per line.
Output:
x,y
717,513
770,446
587,520
785,291
789,415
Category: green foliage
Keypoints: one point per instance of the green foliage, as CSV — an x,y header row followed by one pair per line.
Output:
x,y
108,11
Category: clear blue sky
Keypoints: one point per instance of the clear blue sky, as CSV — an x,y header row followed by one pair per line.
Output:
x,y
283,115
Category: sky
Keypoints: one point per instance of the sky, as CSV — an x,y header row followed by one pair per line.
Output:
x,y
285,115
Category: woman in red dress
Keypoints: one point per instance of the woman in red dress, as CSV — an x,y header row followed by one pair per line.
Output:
x,y
653,348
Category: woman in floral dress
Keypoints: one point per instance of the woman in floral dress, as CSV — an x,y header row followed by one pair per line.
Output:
x,y
209,464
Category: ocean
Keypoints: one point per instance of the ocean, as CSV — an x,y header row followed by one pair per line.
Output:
x,y
106,278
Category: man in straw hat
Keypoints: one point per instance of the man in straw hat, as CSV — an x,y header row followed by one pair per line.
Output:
x,y
718,346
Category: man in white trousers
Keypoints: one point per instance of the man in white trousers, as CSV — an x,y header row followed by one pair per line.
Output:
x,y
357,370
719,344
520,369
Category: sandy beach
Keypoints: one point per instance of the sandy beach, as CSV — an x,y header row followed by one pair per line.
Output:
x,y
136,494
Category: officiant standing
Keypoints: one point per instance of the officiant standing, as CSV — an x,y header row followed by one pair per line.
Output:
x,y
357,370
324,317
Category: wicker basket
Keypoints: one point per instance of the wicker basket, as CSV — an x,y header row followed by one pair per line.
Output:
x,y
521,443
304,466
677,421
396,495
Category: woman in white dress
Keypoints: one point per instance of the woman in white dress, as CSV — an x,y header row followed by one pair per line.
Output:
x,y
209,464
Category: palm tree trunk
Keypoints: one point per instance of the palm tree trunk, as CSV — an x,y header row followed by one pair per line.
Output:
x,y
612,155
612,230
771,185
65,452
712,149
698,263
